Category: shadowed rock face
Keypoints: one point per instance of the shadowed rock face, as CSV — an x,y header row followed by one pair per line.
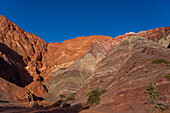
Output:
x,y
11,70
24,48
122,65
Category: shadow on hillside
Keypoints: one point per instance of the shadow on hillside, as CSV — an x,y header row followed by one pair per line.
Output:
x,y
12,54
73,109
2,101
12,69
50,109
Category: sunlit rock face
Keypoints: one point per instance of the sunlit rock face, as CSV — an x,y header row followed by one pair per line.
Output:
x,y
62,55
126,73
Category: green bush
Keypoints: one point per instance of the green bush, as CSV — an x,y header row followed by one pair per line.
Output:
x,y
73,94
152,93
158,61
94,96
151,87
162,107
62,96
167,77
71,97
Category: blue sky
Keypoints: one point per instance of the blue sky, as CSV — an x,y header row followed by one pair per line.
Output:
x,y
59,20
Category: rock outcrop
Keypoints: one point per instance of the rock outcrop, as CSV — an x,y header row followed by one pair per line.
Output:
x,y
37,88
24,48
11,92
160,35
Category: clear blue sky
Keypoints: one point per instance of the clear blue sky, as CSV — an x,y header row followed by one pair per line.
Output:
x,y
59,20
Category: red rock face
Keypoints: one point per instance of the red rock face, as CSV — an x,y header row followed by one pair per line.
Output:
x,y
22,47
36,88
61,55
155,34
21,55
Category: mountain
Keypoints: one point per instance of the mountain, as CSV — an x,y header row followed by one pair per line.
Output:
x,y
126,73
125,66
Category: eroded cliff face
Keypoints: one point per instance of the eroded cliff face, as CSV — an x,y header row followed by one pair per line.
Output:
x,y
160,35
23,48
121,65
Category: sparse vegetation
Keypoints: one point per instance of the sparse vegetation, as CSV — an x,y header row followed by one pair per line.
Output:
x,y
94,96
73,94
152,92
151,87
145,50
62,96
158,61
167,77
162,107
154,95
32,104
71,97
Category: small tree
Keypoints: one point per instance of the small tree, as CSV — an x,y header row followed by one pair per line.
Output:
x,y
94,96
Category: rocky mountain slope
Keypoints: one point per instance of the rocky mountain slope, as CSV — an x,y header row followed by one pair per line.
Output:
x,y
126,73
121,65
